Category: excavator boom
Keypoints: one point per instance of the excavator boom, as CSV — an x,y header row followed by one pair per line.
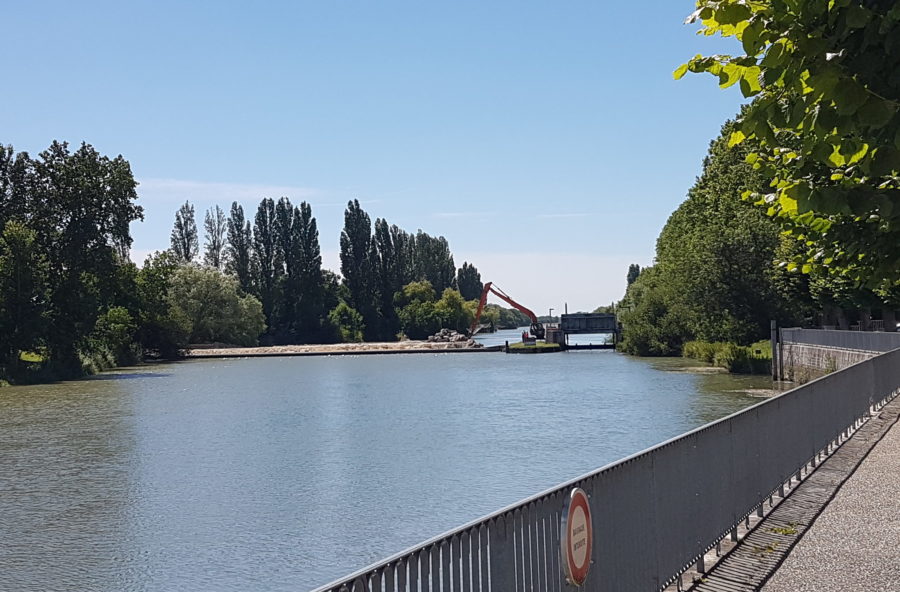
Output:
x,y
537,329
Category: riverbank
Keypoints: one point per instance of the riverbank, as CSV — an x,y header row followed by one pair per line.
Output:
x,y
337,349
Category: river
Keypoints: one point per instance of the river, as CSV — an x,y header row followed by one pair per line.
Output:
x,y
285,473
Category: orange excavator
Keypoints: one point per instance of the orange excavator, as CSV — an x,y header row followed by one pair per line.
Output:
x,y
537,328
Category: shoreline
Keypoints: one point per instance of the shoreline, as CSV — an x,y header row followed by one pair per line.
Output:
x,y
337,349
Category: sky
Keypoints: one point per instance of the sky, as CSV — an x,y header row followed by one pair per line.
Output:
x,y
548,142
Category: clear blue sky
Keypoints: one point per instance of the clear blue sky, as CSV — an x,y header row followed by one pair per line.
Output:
x,y
547,141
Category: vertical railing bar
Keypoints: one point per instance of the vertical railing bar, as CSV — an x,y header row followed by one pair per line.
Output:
x,y
375,581
484,584
542,548
446,575
415,572
465,553
401,569
390,583
430,567
456,562
527,548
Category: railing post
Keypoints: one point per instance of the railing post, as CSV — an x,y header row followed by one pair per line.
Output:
x,y
774,339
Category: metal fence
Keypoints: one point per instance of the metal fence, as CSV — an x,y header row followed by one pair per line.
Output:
x,y
858,340
654,514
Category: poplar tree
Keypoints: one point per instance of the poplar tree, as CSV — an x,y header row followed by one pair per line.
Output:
x,y
356,265
267,256
185,243
216,229
239,248
469,282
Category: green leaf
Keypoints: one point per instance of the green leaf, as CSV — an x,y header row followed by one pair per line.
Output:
x,y
875,112
885,161
750,81
732,14
680,71
731,73
849,96
775,56
750,38
835,158
858,16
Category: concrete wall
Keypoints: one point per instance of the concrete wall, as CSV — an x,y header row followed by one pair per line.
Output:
x,y
803,362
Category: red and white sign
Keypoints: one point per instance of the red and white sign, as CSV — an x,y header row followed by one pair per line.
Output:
x,y
576,537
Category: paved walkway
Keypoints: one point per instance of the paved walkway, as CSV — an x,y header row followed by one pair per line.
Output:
x,y
854,544
837,530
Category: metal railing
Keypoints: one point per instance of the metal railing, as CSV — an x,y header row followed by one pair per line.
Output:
x,y
858,340
655,513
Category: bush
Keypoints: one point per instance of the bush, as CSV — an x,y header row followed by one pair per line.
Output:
x,y
755,359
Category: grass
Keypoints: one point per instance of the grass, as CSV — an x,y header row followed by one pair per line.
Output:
x,y
737,359
538,346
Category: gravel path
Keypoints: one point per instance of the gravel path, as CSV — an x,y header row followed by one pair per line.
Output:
x,y
855,542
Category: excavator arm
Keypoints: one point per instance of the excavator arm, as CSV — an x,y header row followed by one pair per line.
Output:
x,y
537,329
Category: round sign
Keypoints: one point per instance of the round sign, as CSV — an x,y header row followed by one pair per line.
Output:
x,y
576,537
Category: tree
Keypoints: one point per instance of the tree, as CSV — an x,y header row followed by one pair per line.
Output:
x,y
434,262
82,205
215,308
239,248
267,256
634,270
65,220
185,243
23,296
162,329
468,280
714,277
356,266
216,228
825,123
418,315
309,273
348,321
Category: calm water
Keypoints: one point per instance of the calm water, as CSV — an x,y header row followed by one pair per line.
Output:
x,y
284,473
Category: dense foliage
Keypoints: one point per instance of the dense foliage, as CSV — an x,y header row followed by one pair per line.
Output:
x,y
825,120
715,278
64,240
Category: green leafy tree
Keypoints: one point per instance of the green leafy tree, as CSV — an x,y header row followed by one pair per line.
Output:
x,y
714,277
469,281
267,256
434,262
85,204
23,296
357,266
216,309
418,314
216,228
184,239
453,311
348,321
238,251
162,330
824,120
634,270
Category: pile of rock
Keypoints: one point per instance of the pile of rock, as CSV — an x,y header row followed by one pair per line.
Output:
x,y
455,338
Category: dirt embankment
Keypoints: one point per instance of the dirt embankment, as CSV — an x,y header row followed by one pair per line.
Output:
x,y
206,351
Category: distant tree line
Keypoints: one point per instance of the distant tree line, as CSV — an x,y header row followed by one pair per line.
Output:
x,y
392,282
71,301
